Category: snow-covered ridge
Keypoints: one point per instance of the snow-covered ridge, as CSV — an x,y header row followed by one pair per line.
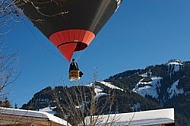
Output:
x,y
108,84
175,61
174,65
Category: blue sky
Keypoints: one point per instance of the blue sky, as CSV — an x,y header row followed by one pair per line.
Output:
x,y
139,34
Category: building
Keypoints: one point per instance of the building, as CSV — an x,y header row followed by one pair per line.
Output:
x,y
20,117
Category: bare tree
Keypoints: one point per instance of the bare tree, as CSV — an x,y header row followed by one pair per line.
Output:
x,y
8,65
8,62
80,101
9,16
38,8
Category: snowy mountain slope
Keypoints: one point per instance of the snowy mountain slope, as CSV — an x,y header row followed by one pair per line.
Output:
x,y
150,88
153,86
173,90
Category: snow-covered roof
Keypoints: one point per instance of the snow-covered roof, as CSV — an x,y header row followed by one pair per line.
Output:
x,y
20,113
145,118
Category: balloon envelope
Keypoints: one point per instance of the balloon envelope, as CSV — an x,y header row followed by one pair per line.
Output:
x,y
70,25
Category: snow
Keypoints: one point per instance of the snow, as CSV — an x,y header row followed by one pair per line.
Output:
x,y
98,89
144,75
147,74
82,106
99,92
173,90
148,88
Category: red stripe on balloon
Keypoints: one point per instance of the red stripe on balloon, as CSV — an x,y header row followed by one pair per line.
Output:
x,y
69,41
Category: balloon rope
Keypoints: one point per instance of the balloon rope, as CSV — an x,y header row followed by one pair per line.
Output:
x,y
78,55
41,42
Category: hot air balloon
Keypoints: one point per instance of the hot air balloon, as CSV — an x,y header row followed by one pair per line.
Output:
x,y
70,25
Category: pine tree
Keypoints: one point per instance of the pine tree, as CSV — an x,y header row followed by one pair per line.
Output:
x,y
16,106
6,103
